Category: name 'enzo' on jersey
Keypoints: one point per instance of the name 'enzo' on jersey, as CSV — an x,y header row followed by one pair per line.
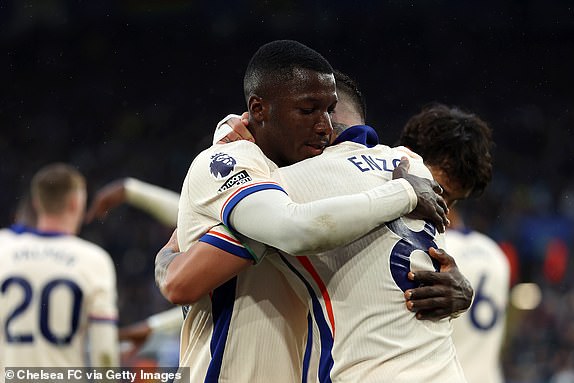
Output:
x,y
368,163
221,165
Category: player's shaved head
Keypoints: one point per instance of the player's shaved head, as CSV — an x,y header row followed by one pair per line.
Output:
x,y
276,62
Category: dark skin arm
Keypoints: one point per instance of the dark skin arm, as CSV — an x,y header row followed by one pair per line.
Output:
x,y
430,205
442,294
107,198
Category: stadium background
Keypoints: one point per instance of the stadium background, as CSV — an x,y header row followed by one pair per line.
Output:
x,y
134,88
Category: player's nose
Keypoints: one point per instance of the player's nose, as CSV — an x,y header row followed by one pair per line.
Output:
x,y
323,125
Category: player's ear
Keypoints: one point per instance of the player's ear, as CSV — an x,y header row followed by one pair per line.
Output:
x,y
257,108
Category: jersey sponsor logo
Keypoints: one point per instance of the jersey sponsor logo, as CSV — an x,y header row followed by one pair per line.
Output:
x,y
221,165
235,180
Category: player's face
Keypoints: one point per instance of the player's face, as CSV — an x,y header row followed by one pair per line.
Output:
x,y
346,112
452,189
297,124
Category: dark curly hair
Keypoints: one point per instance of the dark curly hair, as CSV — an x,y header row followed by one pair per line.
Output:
x,y
458,142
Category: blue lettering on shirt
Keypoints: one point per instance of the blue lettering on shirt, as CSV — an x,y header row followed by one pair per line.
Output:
x,y
366,163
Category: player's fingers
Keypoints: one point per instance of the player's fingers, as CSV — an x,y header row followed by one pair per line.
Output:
x,y
425,292
234,136
438,219
430,278
224,140
402,168
246,135
239,127
433,315
230,137
435,303
445,260
442,210
442,204
436,187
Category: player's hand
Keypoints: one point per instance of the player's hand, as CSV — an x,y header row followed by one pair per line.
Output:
x,y
430,205
136,333
238,130
133,338
107,198
442,294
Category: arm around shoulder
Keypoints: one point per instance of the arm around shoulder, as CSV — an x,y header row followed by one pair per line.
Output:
x,y
271,217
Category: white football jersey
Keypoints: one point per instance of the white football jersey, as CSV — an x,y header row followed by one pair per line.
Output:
x,y
478,333
261,316
248,329
53,289
355,293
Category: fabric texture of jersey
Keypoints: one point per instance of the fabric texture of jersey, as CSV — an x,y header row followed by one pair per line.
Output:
x,y
478,333
365,333
53,289
250,322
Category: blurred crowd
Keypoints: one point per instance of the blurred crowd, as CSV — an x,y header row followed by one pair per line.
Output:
x,y
135,88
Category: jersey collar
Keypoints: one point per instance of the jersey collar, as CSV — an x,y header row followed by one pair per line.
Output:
x,y
21,229
360,134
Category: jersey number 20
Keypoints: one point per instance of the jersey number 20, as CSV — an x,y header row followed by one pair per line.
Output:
x,y
45,292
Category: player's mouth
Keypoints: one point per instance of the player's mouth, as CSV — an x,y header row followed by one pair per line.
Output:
x,y
317,148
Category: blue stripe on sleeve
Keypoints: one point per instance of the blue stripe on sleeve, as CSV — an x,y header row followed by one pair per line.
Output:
x,y
222,244
242,194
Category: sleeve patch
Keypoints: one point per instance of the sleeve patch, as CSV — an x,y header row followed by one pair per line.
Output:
x,y
235,180
221,165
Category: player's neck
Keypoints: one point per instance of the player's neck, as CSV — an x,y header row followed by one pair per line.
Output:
x,y
60,224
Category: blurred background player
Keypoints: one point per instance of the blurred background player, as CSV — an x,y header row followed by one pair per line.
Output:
x,y
479,333
57,291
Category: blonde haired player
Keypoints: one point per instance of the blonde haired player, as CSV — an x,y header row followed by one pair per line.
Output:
x,y
57,291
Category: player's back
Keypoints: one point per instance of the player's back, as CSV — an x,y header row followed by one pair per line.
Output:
x,y
478,333
51,287
366,332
